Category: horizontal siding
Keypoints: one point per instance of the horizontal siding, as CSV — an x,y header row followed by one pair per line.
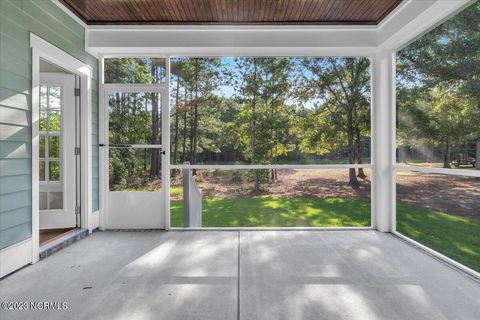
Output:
x,y
15,184
15,82
11,46
15,234
14,116
15,150
15,217
12,201
64,20
15,65
11,132
17,19
14,167
14,99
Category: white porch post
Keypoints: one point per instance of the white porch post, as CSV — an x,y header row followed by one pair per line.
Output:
x,y
383,140
166,145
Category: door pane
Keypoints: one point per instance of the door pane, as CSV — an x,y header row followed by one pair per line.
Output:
x,y
135,169
43,119
134,118
42,147
50,164
42,170
55,200
54,147
43,201
55,120
135,70
54,168
54,97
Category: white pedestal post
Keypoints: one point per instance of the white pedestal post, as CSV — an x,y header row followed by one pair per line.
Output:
x,y
383,140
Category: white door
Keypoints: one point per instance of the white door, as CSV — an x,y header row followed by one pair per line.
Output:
x,y
134,195
57,151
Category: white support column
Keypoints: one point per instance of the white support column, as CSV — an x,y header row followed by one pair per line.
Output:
x,y
383,140
166,145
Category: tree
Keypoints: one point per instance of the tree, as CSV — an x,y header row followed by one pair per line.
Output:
x,y
156,75
248,88
263,88
343,87
197,78
449,53
441,117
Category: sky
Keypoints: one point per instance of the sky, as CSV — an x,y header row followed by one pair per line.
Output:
x,y
228,91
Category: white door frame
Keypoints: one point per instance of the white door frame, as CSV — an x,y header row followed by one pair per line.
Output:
x,y
64,217
42,49
164,90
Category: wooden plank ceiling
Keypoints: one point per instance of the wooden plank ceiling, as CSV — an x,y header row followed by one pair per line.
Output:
x,y
269,12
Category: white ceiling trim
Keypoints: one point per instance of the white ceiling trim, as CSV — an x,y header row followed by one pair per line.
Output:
x,y
409,20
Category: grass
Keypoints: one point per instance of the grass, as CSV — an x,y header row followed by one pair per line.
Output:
x,y
454,236
266,211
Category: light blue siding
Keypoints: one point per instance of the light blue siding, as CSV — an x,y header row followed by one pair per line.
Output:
x,y
17,19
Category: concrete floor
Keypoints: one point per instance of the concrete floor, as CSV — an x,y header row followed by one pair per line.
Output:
x,y
270,275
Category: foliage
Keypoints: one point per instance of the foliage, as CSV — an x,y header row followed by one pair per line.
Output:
x,y
446,57
243,110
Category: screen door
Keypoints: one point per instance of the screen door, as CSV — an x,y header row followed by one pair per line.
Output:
x,y
134,160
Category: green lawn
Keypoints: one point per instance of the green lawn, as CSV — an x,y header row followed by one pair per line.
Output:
x,y
456,237
264,211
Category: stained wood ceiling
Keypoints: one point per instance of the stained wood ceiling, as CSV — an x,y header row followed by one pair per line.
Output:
x,y
310,12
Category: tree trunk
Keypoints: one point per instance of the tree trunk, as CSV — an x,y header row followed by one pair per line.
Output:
x,y
361,173
446,154
190,147
477,144
195,119
353,181
184,142
154,165
477,153
175,140
254,102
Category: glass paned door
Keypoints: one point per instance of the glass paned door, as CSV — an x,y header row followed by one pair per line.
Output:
x,y
56,151
134,160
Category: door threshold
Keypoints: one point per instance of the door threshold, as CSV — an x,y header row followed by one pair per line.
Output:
x,y
62,241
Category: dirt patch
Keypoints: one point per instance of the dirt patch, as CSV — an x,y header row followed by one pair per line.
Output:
x,y
318,183
452,194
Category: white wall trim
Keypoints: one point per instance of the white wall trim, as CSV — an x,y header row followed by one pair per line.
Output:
x,y
15,257
42,49
60,57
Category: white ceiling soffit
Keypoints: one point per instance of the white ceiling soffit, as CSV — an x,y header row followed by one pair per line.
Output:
x,y
409,20
416,18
